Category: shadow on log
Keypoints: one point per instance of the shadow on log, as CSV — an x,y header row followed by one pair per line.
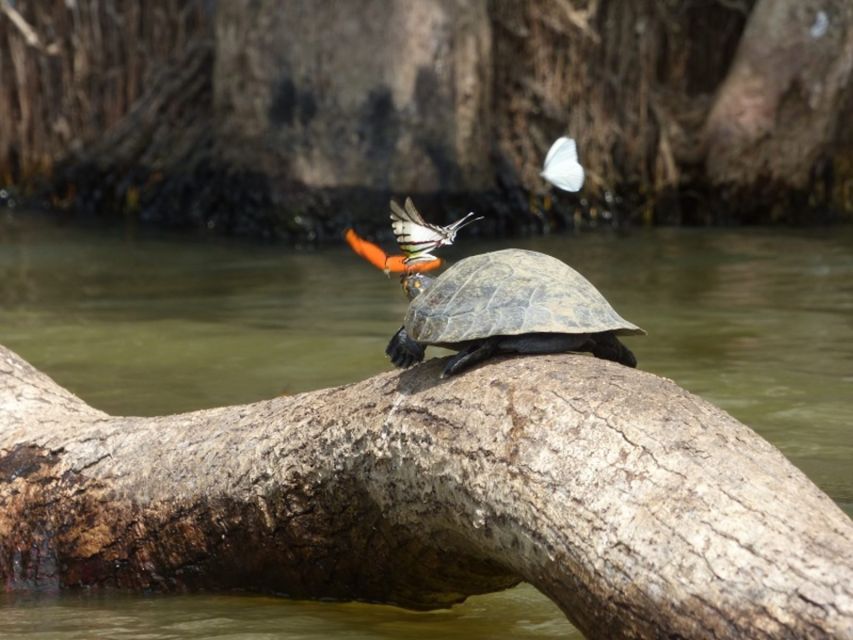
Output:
x,y
640,509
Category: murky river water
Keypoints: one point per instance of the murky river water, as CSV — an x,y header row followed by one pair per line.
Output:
x,y
759,322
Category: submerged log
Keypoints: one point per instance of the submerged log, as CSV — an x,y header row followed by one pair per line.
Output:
x,y
640,509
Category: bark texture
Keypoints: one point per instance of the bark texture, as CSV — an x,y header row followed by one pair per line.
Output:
x,y
296,118
783,105
640,509
391,95
71,70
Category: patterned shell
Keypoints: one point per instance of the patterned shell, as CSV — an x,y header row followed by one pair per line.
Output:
x,y
510,292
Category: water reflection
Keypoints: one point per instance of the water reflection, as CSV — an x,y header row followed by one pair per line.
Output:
x,y
520,613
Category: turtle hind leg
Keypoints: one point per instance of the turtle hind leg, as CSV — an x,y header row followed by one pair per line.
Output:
x,y
471,355
539,343
530,343
403,350
608,347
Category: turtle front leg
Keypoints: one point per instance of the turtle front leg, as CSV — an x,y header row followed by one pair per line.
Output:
x,y
403,350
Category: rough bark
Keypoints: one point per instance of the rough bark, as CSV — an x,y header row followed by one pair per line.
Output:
x,y
380,94
294,119
785,101
640,509
71,70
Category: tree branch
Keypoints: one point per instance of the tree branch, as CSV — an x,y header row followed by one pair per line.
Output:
x,y
30,36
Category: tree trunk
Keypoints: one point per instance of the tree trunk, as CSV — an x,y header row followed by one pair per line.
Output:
x,y
784,103
389,95
298,118
640,509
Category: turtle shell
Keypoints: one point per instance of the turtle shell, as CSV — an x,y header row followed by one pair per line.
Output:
x,y
510,292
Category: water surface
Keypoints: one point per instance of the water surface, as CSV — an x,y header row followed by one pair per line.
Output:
x,y
759,322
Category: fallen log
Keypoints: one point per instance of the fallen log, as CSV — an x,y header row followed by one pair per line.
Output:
x,y
640,509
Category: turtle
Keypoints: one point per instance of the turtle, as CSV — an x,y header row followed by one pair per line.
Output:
x,y
508,301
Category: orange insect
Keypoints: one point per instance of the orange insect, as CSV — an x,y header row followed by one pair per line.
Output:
x,y
381,260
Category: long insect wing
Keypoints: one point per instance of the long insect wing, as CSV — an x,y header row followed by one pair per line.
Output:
x,y
562,168
421,257
417,237
558,144
415,215
413,233
399,219
567,178
402,264
389,264
566,153
397,212
367,250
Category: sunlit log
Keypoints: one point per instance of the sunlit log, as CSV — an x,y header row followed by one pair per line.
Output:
x,y
640,509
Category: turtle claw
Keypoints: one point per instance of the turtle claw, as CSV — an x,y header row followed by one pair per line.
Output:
x,y
403,350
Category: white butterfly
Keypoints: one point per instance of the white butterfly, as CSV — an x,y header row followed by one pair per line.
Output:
x,y
417,237
562,168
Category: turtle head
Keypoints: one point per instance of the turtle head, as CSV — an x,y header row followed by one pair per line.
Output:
x,y
414,284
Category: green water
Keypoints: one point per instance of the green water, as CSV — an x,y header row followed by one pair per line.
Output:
x,y
759,322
